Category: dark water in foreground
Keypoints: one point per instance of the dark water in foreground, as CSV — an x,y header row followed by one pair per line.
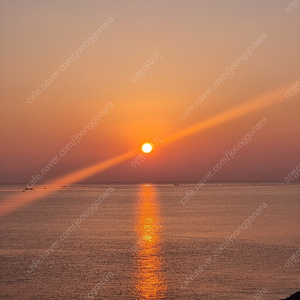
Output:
x,y
141,242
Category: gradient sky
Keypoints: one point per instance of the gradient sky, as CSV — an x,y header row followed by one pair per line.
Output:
x,y
197,40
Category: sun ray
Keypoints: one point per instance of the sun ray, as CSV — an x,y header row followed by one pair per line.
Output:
x,y
17,201
230,114
268,99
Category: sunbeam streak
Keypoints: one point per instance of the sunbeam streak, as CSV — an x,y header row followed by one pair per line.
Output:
x,y
268,99
230,114
18,201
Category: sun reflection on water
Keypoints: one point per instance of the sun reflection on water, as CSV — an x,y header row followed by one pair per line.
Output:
x,y
150,282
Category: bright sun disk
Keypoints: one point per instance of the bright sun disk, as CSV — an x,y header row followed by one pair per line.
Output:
x,y
147,148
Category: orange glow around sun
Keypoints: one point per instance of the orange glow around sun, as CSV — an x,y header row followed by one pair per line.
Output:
x,y
147,148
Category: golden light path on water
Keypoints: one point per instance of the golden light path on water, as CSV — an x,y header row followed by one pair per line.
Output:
x,y
268,99
149,280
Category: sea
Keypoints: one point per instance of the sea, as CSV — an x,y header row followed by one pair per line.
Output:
x,y
228,241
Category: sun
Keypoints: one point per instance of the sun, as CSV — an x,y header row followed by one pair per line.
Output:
x,y
147,148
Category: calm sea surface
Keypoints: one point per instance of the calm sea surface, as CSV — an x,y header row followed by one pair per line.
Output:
x,y
102,241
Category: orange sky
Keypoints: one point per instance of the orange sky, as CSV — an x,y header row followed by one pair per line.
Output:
x,y
197,41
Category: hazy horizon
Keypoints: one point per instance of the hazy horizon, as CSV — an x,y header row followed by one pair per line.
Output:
x,y
151,182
